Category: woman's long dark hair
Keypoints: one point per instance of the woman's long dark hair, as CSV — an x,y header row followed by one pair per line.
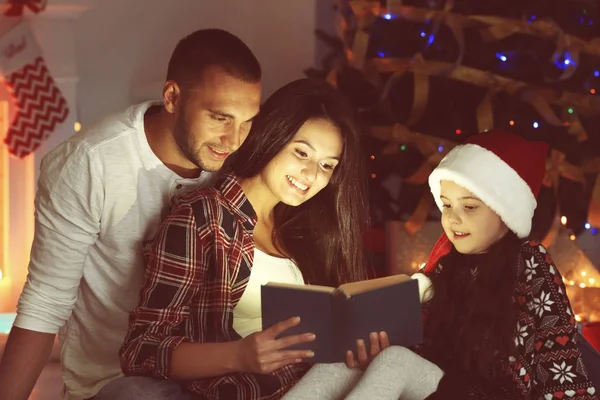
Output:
x,y
470,322
324,234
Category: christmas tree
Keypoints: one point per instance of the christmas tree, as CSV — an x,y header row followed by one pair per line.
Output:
x,y
426,74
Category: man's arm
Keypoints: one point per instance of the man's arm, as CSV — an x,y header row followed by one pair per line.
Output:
x,y
22,362
68,206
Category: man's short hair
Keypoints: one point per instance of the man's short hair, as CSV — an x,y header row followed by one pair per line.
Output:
x,y
212,47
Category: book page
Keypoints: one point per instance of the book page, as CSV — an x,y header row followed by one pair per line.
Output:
x,y
349,289
310,288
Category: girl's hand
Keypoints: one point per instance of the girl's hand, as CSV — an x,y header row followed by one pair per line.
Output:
x,y
379,341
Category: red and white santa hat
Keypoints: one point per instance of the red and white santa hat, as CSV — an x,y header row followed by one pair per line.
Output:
x,y
502,169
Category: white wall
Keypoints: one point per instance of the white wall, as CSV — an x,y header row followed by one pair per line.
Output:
x,y
123,46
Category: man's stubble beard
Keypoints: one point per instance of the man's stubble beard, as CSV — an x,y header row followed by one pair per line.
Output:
x,y
188,147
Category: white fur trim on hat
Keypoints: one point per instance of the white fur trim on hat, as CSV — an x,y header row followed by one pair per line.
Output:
x,y
492,180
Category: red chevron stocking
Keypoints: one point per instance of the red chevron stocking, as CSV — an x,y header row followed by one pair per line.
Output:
x,y
39,103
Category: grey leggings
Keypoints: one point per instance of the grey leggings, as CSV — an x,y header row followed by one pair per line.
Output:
x,y
396,373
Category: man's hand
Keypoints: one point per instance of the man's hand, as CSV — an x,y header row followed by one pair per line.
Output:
x,y
262,353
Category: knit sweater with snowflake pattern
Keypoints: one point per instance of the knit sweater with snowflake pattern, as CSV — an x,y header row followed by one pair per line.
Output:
x,y
547,363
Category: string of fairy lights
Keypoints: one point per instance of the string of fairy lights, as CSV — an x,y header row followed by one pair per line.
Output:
x,y
507,60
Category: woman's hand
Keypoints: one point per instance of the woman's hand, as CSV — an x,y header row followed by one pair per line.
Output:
x,y
379,341
262,353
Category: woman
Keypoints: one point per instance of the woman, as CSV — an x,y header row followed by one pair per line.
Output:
x,y
290,209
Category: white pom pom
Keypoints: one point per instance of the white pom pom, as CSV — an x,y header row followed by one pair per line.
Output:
x,y
425,290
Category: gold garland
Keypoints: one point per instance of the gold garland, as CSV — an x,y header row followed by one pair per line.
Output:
x,y
492,29
539,97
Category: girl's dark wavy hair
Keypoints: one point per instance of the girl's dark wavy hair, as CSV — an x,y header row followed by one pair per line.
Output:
x,y
324,235
472,326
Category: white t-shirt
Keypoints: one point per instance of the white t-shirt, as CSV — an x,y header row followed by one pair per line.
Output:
x,y
247,314
100,194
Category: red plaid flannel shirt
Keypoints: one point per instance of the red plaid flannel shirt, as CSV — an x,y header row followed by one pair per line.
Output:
x,y
198,266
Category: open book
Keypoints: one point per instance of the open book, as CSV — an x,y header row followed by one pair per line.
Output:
x,y
340,316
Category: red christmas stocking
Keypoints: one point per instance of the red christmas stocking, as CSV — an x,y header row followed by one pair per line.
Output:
x,y
18,6
39,103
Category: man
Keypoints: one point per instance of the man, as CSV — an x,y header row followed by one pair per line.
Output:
x,y
103,192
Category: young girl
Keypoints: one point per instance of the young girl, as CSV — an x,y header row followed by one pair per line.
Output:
x,y
498,323
290,209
